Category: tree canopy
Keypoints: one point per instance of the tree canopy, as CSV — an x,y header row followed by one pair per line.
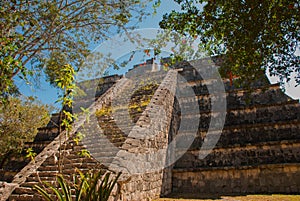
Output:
x,y
250,36
41,36
50,38
19,123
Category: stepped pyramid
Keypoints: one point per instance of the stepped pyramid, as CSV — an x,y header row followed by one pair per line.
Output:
x,y
158,128
258,150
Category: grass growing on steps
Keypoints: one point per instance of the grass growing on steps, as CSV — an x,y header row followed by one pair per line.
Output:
x,y
235,198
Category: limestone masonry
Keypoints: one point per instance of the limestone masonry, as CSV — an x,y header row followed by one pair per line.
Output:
x,y
134,128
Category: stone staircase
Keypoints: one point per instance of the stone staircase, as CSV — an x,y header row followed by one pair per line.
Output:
x,y
66,158
47,134
119,115
134,117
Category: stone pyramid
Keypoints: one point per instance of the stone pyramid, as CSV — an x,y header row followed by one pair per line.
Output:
x,y
175,131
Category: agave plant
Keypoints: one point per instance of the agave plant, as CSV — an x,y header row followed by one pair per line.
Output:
x,y
91,186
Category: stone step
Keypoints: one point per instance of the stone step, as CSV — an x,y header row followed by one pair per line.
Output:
x,y
26,188
96,152
236,102
197,80
123,109
23,197
109,148
249,116
258,179
258,154
34,179
28,185
105,160
101,153
144,74
231,136
73,156
271,96
204,85
48,173
70,164
126,124
192,106
117,139
124,120
273,131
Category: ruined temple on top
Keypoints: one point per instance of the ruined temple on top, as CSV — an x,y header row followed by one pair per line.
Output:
x,y
152,118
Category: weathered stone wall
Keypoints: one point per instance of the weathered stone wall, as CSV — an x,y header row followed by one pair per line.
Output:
x,y
259,147
272,178
167,172
144,153
249,155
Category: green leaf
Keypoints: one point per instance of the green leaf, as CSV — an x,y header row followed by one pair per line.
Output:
x,y
42,192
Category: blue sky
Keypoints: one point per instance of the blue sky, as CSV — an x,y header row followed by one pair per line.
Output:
x,y
47,94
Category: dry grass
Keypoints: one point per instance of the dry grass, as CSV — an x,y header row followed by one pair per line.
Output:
x,y
235,198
